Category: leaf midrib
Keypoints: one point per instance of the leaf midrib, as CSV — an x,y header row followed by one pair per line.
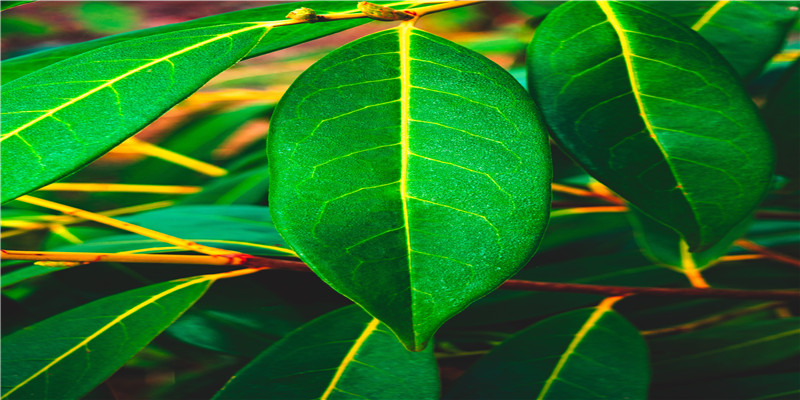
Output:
x,y
627,53
405,94
105,328
350,357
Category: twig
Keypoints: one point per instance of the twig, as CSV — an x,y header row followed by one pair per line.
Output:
x,y
713,320
512,284
752,246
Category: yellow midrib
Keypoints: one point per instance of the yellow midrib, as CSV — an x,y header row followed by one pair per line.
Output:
x,y
109,83
709,14
106,327
602,308
351,355
405,95
627,53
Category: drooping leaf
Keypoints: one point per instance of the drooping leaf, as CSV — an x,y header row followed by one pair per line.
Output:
x,y
410,194
583,354
638,100
746,33
344,354
724,350
664,246
277,39
67,355
65,115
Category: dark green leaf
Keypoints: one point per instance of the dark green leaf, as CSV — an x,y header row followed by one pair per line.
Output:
x,y
746,33
583,354
277,39
664,246
411,194
638,99
781,115
536,9
342,355
759,387
724,350
65,356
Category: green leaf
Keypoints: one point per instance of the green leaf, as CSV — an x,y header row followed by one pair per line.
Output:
x,y
780,114
583,354
410,194
238,317
638,99
758,387
622,269
66,356
724,350
5,5
664,246
746,33
344,354
280,38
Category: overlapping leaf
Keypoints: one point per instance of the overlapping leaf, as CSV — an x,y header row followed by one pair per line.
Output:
x,y
746,33
20,66
345,354
411,174
589,353
65,115
652,111
67,355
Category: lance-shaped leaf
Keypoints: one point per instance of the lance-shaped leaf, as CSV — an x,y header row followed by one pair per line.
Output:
x,y
583,354
746,33
651,110
344,354
411,174
19,66
66,356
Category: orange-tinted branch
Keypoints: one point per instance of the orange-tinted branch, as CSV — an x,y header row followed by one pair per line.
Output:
x,y
771,254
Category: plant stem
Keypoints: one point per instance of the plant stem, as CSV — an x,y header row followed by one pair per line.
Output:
x,y
713,320
774,255
188,245
250,261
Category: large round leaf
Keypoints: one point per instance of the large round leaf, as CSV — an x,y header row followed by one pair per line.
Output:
x,y
411,174
653,111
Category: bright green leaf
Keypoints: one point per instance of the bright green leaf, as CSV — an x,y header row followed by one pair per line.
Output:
x,y
344,354
746,33
589,353
411,174
277,39
66,356
638,100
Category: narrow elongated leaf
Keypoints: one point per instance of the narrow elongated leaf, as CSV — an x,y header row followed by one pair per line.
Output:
x,y
638,100
724,350
19,66
66,356
5,5
583,354
746,33
411,174
344,354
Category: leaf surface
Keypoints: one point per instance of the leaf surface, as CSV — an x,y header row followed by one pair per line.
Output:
x,y
5,5
583,354
724,350
411,194
746,33
638,100
344,354
66,356
19,66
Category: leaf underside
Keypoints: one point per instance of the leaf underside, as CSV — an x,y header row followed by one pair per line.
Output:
x,y
411,174
652,111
